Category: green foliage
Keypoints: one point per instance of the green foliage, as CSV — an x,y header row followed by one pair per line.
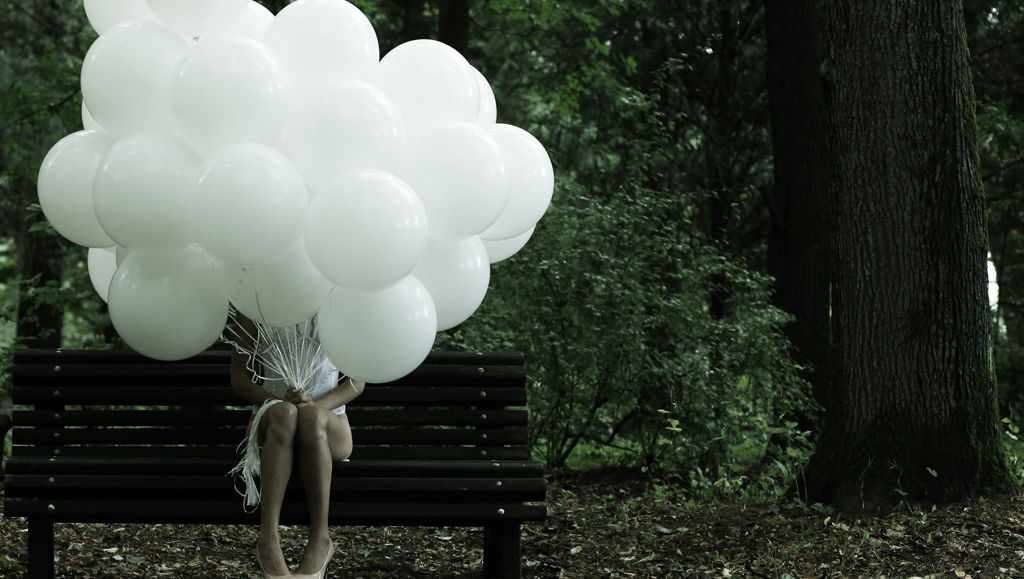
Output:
x,y
8,309
40,58
995,28
614,297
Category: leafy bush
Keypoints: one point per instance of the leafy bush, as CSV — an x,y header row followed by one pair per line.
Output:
x,y
646,333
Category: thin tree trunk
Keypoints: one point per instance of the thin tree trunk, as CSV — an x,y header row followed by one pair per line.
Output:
x,y
413,24
39,256
799,246
913,412
453,24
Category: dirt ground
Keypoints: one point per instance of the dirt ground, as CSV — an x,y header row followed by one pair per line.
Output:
x,y
601,524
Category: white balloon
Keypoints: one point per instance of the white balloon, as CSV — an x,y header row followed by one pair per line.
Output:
x,y
281,292
102,263
253,22
431,82
121,254
488,111
458,171
378,336
229,90
366,231
456,273
342,125
249,204
324,39
168,305
126,77
88,122
65,187
106,14
532,182
196,18
144,190
502,249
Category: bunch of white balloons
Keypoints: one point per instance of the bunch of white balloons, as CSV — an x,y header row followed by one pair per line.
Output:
x,y
278,164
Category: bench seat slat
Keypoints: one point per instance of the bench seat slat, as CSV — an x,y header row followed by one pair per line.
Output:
x,y
26,357
203,464
208,487
228,450
142,511
234,434
359,416
126,375
219,394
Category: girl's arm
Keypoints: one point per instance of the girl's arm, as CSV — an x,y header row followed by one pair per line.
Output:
x,y
241,378
346,391
242,384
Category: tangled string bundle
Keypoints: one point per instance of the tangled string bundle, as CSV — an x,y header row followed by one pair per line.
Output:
x,y
291,353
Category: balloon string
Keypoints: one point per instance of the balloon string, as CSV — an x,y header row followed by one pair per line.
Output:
x,y
291,353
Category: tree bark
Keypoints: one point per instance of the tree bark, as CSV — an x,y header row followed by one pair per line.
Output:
x,y
453,24
913,412
413,23
39,258
799,246
34,30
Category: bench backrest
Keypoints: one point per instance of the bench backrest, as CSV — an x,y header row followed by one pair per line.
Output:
x,y
456,405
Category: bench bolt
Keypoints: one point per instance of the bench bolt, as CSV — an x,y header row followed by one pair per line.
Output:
x,y
51,508
479,370
56,368
501,511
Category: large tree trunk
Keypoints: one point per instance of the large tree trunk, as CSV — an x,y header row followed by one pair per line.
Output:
x,y
913,411
799,247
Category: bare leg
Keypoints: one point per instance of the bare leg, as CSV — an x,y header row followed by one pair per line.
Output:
x,y
322,437
277,432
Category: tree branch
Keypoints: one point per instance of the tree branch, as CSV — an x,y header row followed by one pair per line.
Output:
x,y
995,172
48,108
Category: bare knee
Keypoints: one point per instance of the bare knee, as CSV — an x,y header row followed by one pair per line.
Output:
x,y
312,424
280,422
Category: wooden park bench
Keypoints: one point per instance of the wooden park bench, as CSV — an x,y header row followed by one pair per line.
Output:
x,y
114,437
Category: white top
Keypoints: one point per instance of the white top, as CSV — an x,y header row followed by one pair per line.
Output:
x,y
325,381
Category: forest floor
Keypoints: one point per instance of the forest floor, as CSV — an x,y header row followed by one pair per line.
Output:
x,y
601,524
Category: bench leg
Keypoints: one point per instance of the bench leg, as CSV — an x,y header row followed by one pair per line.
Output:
x,y
40,548
501,550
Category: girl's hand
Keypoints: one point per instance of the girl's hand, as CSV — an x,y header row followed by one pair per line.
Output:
x,y
297,397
